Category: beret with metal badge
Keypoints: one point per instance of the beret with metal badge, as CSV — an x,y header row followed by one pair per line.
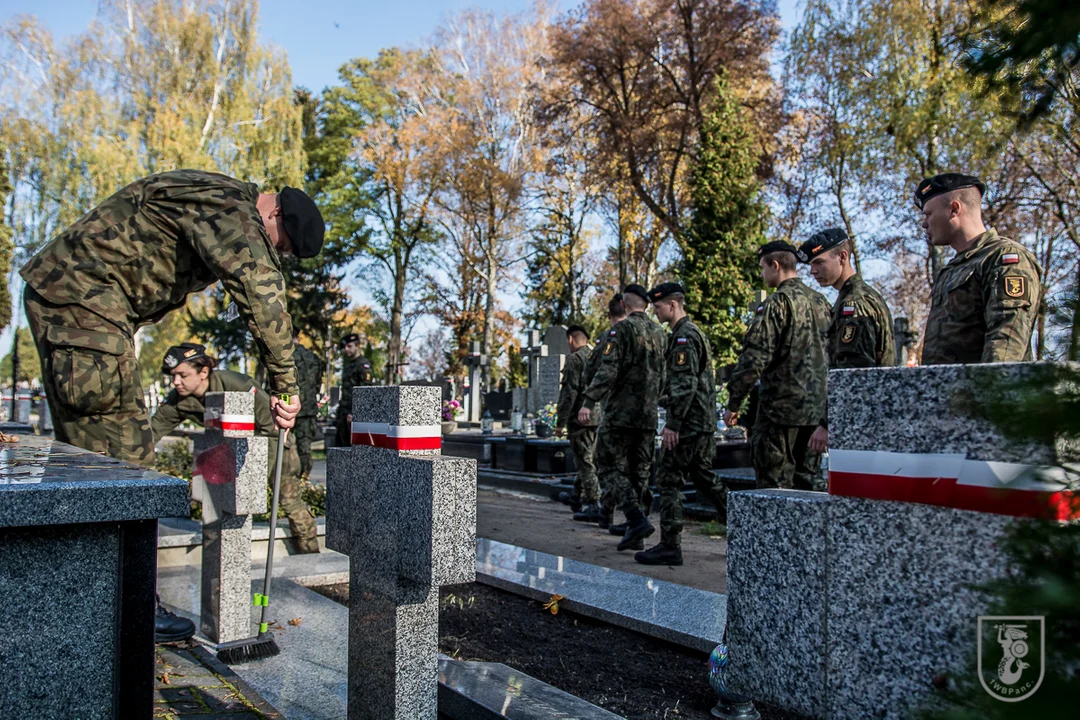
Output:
x,y
780,246
181,353
351,337
664,290
635,289
946,182
822,242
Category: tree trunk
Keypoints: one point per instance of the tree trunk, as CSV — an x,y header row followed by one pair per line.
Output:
x,y
489,320
393,363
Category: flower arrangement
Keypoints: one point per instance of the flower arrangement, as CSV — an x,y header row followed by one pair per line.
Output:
x,y
548,414
450,410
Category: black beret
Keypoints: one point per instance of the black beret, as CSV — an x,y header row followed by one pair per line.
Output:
x,y
780,246
823,242
351,337
635,289
664,290
577,328
946,182
183,352
303,222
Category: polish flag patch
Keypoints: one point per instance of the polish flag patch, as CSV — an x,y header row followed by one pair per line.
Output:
x,y
680,341
1010,258
848,310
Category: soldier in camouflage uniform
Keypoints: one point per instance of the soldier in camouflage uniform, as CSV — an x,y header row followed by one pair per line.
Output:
x,y
688,440
860,326
355,372
985,301
628,383
193,375
134,258
784,347
582,437
309,371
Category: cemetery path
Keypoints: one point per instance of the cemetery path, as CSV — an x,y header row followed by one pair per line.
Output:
x,y
189,681
539,524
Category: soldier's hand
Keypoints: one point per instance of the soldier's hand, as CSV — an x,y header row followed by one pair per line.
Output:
x,y
348,418
584,415
730,418
669,439
285,412
819,441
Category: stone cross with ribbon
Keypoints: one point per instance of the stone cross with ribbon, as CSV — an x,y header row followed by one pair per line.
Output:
x,y
406,517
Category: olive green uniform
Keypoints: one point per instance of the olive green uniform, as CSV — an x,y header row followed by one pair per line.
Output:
x,y
129,262
175,409
984,304
309,371
861,328
582,437
690,401
784,347
628,382
354,373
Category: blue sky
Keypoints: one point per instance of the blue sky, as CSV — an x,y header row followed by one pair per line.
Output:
x,y
317,35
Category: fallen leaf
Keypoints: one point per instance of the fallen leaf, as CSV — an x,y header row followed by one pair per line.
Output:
x,y
165,678
553,604
295,622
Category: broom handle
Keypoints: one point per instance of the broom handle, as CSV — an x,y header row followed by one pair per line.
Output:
x,y
282,435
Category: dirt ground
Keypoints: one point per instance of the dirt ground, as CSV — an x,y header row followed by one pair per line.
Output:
x,y
632,675
538,524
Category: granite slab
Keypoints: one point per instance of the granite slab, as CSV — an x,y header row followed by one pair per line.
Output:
x,y
46,482
683,615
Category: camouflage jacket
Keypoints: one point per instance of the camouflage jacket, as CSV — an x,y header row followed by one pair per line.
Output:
x,y
984,304
570,391
690,391
784,347
631,374
174,409
861,330
309,372
140,253
354,373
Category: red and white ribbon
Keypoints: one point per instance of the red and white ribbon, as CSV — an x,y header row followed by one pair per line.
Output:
x,y
230,422
951,480
397,437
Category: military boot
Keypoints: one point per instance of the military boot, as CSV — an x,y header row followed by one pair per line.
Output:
x,y
590,514
170,627
660,554
573,500
605,521
619,529
638,528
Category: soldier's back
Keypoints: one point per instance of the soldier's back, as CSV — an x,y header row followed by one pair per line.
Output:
x,y
635,396
793,385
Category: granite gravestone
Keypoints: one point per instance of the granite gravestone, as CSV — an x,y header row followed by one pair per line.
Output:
x,y
230,481
878,594
476,362
78,533
406,517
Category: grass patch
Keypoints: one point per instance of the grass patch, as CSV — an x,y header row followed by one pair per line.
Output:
x,y
713,529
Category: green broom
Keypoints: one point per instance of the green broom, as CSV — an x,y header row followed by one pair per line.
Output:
x,y
262,645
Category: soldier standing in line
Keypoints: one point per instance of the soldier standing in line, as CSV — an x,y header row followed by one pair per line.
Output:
x,y
129,262
355,370
193,374
985,301
582,437
784,347
688,440
628,383
309,372
861,326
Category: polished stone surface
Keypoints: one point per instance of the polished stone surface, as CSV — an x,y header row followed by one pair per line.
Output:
x,y
45,482
850,608
220,404
683,615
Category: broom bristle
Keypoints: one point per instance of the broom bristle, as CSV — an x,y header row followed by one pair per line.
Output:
x,y
257,648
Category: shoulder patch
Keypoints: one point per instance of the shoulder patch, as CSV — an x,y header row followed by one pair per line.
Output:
x,y
847,333
848,310
760,308
609,347
1015,286
612,333
680,357
681,341
1010,258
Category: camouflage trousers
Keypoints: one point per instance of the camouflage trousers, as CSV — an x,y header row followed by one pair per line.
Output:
x,y
306,432
301,521
692,460
624,465
583,445
782,457
91,379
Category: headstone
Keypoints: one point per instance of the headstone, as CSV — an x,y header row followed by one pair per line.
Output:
x,y
19,412
557,340
534,352
878,596
406,517
45,423
499,404
77,573
475,361
230,480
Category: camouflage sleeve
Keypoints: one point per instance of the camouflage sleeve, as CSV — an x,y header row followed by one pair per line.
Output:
x,y
608,370
234,245
568,391
683,368
264,419
1011,295
166,417
596,355
758,348
856,340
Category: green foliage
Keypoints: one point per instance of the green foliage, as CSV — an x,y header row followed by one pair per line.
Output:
x,y
29,363
7,248
517,370
728,221
313,495
176,459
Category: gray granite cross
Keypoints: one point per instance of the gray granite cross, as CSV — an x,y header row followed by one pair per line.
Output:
x,y
476,361
406,517
230,481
